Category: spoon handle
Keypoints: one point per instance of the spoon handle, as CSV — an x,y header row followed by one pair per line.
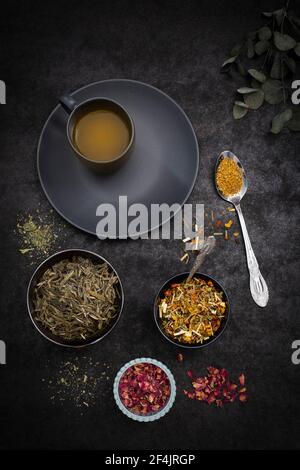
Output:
x,y
258,286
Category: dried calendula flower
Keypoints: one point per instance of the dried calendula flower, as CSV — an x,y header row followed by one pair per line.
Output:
x,y
229,177
191,312
229,223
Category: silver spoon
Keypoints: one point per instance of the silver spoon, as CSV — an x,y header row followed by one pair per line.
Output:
x,y
258,286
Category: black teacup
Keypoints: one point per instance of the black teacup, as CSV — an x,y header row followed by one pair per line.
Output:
x,y
100,132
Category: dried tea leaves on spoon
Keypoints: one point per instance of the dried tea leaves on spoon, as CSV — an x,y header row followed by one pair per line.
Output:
x,y
76,299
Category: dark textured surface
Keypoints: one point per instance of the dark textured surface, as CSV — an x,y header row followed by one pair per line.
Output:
x,y
49,50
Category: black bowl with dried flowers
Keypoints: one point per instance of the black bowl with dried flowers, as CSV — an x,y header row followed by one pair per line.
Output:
x,y
75,298
191,313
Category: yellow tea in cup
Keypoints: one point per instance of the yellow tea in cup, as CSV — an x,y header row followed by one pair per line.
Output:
x,y
101,134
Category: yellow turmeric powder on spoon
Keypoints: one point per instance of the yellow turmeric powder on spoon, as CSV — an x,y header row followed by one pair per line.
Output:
x,y
229,177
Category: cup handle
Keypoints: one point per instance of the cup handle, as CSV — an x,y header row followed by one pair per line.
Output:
x,y
68,103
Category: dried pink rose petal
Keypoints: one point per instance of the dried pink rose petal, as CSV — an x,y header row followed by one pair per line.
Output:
x,y
242,379
216,388
144,388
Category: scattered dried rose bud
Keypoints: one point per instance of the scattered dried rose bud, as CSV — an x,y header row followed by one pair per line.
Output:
x,y
179,357
190,374
144,388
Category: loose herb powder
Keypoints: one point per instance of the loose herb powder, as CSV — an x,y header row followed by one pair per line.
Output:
x,y
229,177
79,382
36,235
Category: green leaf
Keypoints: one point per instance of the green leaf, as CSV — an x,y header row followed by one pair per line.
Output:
x,y
241,68
297,49
250,48
280,120
290,63
236,50
279,15
259,76
261,47
241,103
294,123
295,22
267,14
284,42
273,91
229,61
255,84
276,67
264,33
245,90
254,100
239,111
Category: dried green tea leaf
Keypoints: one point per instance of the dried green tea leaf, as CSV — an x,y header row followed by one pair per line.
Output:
x,y
297,49
273,91
276,67
280,120
254,100
261,47
250,48
259,76
229,61
284,42
239,111
245,90
264,33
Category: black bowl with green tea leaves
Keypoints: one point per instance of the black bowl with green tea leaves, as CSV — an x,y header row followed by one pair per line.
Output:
x,y
75,298
191,313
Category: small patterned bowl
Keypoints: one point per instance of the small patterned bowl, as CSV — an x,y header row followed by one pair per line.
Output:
x,y
149,417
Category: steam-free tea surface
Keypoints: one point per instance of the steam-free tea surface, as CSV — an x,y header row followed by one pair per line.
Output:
x,y
162,167
101,135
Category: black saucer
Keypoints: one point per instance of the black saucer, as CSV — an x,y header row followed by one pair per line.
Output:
x,y
162,168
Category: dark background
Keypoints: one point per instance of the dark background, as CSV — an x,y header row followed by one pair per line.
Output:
x,y
49,48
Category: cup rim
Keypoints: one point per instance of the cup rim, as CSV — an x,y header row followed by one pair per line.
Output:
x,y
183,345
151,417
28,298
81,155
